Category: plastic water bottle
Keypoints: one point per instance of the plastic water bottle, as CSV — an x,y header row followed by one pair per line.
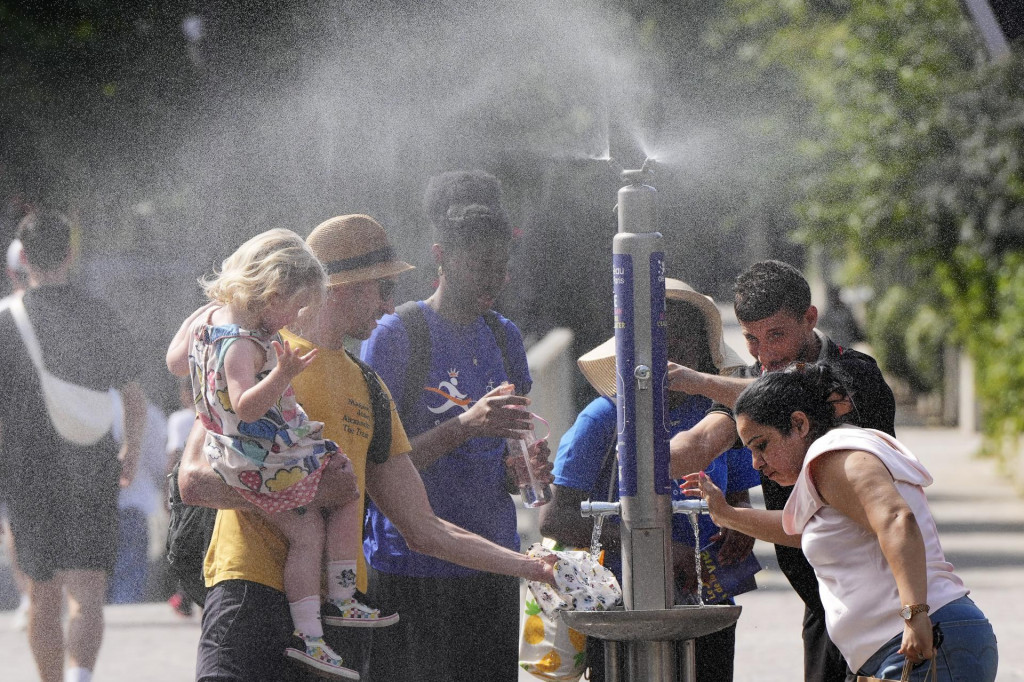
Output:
x,y
535,493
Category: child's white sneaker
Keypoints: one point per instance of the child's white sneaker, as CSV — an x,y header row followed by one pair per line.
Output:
x,y
314,653
350,613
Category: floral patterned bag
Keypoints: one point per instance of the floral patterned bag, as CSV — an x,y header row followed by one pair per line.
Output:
x,y
548,648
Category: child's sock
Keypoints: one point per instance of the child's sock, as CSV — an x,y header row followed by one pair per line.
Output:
x,y
306,616
341,580
77,675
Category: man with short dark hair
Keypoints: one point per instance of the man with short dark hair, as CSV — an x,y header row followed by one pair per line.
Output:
x,y
457,383
773,305
61,483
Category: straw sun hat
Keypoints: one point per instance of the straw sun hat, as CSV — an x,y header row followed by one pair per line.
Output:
x,y
354,248
598,365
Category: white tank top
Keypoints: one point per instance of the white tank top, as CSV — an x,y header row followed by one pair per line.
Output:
x,y
857,587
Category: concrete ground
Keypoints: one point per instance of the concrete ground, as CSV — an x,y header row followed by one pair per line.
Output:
x,y
980,519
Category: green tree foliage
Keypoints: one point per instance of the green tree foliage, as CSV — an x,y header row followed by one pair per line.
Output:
x,y
917,181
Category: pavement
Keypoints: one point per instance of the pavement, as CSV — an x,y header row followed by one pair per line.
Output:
x,y
980,520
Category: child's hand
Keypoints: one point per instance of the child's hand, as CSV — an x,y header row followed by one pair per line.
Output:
x,y
289,362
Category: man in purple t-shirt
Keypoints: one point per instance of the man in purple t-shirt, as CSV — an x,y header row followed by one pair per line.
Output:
x,y
456,623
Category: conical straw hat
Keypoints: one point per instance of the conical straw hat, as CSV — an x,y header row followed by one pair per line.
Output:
x,y
598,365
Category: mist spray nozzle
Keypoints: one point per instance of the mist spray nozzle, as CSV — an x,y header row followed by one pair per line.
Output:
x,y
639,176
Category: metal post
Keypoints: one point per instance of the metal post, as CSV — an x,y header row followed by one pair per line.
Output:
x,y
638,264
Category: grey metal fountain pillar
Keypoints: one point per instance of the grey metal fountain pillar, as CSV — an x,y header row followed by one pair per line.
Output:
x,y
638,265
650,628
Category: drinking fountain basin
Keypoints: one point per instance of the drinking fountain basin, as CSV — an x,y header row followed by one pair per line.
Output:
x,y
674,624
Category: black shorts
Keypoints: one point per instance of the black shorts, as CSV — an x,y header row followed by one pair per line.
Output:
x,y
63,524
451,629
246,627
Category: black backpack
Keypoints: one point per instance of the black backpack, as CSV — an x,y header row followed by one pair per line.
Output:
x,y
190,527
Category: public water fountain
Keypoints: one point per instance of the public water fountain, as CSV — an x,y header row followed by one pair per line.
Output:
x,y
650,626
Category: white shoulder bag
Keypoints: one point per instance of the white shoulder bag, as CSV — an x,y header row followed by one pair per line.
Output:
x,y
80,415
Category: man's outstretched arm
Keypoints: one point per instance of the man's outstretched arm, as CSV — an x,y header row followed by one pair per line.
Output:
x,y
693,450
396,488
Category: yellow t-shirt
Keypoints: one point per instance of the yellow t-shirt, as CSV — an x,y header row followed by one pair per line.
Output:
x,y
331,390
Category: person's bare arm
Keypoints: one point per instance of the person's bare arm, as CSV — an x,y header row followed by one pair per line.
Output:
x,y
198,482
396,488
724,390
762,524
694,450
251,399
736,546
201,486
561,519
177,351
858,485
491,416
133,401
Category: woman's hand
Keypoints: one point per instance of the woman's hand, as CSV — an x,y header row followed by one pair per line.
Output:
x,y
699,485
497,414
545,571
917,639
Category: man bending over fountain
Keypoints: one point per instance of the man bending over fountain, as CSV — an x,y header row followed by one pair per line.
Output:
x,y
773,306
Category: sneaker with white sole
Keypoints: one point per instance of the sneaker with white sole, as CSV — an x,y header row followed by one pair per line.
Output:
x,y
314,653
350,613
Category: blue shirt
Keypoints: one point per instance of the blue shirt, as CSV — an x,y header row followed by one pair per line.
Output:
x,y
467,485
585,445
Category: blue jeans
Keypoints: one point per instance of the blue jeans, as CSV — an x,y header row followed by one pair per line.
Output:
x,y
131,568
967,652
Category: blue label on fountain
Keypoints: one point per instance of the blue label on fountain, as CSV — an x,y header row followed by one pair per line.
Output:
x,y
625,359
659,376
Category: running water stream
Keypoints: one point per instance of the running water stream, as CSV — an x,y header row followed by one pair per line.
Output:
x,y
595,537
696,557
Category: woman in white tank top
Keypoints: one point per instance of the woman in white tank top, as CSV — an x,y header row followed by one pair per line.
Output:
x,y
859,512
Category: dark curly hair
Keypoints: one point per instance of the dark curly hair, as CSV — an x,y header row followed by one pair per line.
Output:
x,y
465,206
767,287
813,389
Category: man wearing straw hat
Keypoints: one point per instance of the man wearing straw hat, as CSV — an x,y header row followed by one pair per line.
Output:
x,y
585,468
773,306
246,625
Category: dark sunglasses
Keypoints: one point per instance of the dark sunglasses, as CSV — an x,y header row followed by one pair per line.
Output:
x,y
386,288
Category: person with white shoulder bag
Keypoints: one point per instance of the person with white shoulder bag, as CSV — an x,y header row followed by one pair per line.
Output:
x,y
61,468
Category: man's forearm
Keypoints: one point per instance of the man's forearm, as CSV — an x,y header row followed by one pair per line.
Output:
x,y
396,488
133,402
198,482
433,444
694,450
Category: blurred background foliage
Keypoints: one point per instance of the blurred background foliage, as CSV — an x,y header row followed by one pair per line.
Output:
x,y
915,185
875,133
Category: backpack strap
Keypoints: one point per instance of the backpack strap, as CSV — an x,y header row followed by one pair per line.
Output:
x,y
380,443
501,338
418,364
